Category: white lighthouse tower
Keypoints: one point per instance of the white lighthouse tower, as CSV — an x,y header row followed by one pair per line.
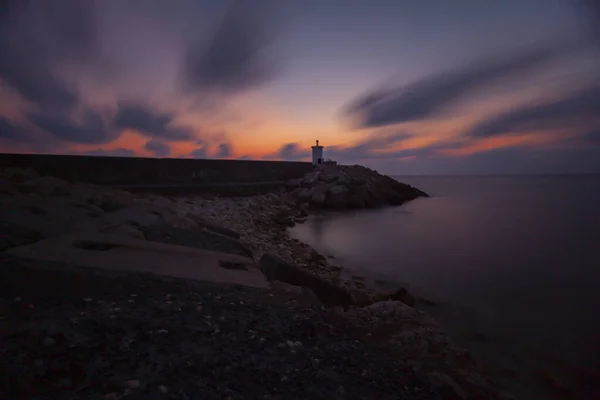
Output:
x,y
317,154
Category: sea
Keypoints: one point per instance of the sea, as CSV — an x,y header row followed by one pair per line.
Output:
x,y
510,265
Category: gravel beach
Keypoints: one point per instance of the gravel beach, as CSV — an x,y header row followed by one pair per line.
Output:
x,y
73,334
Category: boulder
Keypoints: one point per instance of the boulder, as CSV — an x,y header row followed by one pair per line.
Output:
x,y
361,297
311,179
294,183
113,201
44,186
328,293
318,198
124,231
397,295
339,187
305,194
19,175
447,387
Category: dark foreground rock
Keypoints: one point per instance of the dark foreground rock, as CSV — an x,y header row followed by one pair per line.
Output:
x,y
328,293
339,187
87,334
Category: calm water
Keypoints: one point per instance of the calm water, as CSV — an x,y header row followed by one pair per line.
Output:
x,y
519,254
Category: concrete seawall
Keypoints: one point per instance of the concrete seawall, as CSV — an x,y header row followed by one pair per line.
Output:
x,y
125,171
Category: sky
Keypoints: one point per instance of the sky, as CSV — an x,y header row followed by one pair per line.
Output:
x,y
402,86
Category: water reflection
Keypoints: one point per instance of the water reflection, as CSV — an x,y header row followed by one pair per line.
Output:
x,y
524,251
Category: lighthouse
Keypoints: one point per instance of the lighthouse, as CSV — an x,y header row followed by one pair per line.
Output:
x,y
317,154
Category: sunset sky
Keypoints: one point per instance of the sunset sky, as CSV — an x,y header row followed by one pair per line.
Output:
x,y
403,86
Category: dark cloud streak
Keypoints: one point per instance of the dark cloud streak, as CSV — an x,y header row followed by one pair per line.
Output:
x,y
92,129
36,38
10,131
223,150
432,95
149,122
234,59
569,111
158,148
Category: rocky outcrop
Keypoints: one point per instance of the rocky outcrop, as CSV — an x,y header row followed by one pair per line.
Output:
x,y
328,293
339,187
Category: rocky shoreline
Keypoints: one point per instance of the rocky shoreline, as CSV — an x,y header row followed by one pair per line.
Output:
x,y
430,364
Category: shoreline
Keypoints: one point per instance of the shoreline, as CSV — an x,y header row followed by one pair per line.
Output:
x,y
261,224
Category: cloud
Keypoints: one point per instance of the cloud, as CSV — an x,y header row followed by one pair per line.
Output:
x,y
591,9
38,37
118,152
158,148
428,97
572,110
91,129
149,122
223,150
199,153
234,59
292,152
12,132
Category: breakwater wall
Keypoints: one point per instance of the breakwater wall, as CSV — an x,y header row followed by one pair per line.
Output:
x,y
156,171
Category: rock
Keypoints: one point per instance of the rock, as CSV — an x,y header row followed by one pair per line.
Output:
x,y
44,186
276,269
13,235
138,215
125,231
296,291
338,190
113,201
318,198
283,218
294,182
353,187
361,297
19,175
305,194
7,188
133,384
449,389
398,295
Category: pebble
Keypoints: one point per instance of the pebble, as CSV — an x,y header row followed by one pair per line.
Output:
x,y
133,384
163,389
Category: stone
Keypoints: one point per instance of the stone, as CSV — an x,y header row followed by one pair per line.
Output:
x,y
44,186
328,293
295,182
124,231
285,287
318,198
305,194
361,297
449,389
398,295
340,187
19,175
113,201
